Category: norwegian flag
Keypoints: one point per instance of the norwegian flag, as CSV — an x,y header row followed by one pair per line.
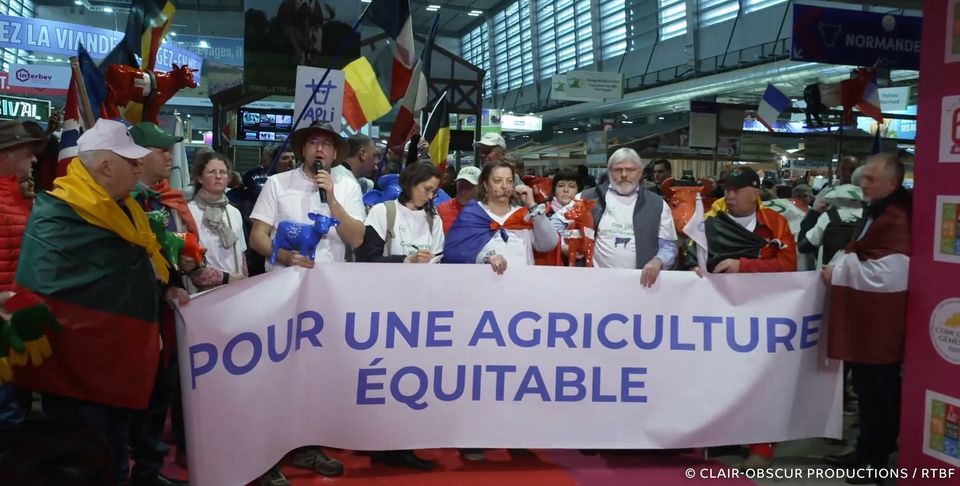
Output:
x,y
71,129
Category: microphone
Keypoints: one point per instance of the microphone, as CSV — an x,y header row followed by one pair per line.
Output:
x,y
317,167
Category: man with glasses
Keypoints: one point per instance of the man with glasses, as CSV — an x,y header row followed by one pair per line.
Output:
x,y
292,196
634,228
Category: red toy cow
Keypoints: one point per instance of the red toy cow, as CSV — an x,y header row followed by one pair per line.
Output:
x,y
682,197
580,231
542,188
126,84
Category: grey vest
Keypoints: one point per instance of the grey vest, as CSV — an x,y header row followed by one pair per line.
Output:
x,y
646,219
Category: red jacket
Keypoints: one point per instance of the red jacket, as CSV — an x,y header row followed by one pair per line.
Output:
x,y
14,212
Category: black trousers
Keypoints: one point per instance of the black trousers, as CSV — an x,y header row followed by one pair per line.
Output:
x,y
146,428
878,390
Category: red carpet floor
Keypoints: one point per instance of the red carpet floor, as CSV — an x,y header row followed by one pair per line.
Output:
x,y
523,468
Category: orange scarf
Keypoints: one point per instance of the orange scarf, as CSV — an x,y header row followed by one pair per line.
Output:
x,y
173,199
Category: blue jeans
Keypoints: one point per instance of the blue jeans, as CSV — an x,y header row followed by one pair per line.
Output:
x,y
15,403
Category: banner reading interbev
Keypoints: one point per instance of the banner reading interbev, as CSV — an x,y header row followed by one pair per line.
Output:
x,y
383,357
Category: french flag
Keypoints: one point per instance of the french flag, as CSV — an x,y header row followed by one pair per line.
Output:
x,y
415,99
393,16
869,104
71,129
773,103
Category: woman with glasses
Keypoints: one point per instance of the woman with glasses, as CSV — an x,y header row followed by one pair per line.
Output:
x,y
220,224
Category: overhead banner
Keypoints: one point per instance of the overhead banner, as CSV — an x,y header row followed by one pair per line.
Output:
x,y
587,86
599,362
327,105
38,35
855,38
281,35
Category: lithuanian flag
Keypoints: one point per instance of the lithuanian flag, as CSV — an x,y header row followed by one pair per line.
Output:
x,y
363,100
437,132
104,292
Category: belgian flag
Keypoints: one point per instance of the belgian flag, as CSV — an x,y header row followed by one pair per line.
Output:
x,y
147,24
437,132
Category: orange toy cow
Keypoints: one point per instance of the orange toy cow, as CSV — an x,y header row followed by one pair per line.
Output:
x,y
126,84
682,197
580,231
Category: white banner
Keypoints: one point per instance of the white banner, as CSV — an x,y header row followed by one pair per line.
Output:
x,y
327,106
587,86
382,356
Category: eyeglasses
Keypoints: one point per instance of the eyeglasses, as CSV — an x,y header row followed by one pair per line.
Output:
x,y
323,142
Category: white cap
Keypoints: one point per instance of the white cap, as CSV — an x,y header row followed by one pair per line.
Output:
x,y
113,136
470,174
492,140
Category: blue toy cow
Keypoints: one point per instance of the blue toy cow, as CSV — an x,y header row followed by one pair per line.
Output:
x,y
293,236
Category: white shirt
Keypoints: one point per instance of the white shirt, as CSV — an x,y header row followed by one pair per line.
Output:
x,y
227,259
615,245
518,249
291,195
411,231
748,222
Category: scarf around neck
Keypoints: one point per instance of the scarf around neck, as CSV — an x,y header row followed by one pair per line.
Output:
x,y
90,200
215,216
170,198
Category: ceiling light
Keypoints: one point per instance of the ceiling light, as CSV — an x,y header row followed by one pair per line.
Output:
x,y
203,45
49,58
107,10
660,117
172,34
433,8
474,13
77,2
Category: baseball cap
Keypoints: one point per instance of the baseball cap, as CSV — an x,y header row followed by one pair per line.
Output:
x,y
741,177
492,140
470,174
113,136
148,134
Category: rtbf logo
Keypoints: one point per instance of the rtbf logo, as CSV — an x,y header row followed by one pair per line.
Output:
x,y
23,75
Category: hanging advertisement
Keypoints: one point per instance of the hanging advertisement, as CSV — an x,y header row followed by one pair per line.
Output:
x,y
281,35
586,86
855,38
50,80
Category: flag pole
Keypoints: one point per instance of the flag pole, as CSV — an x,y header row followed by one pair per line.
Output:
x,y
340,51
88,119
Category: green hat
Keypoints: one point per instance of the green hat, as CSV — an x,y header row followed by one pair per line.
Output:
x,y
149,135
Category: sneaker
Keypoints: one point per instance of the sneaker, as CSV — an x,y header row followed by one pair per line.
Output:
x,y
314,458
274,477
473,454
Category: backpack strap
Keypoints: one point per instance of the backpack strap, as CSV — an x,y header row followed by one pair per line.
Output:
x,y
391,221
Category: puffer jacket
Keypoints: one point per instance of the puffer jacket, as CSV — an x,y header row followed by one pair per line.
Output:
x,y
14,211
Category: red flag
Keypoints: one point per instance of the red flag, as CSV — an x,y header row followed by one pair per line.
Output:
x,y
393,16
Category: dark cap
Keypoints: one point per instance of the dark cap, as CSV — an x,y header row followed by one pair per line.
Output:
x,y
740,177
13,134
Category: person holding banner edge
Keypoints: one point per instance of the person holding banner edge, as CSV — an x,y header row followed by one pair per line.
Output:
x,y
293,195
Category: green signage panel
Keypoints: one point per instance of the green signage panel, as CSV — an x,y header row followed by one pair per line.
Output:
x,y
13,108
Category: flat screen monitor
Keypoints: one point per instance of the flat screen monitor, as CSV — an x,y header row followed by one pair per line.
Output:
x,y
264,125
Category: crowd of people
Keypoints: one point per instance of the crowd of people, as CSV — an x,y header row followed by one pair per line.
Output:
x,y
87,249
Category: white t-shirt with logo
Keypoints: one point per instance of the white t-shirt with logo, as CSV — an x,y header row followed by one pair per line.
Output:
x,y
411,230
518,249
291,195
615,245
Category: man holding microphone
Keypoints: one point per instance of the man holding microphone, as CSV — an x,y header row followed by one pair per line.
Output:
x,y
292,195
311,188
